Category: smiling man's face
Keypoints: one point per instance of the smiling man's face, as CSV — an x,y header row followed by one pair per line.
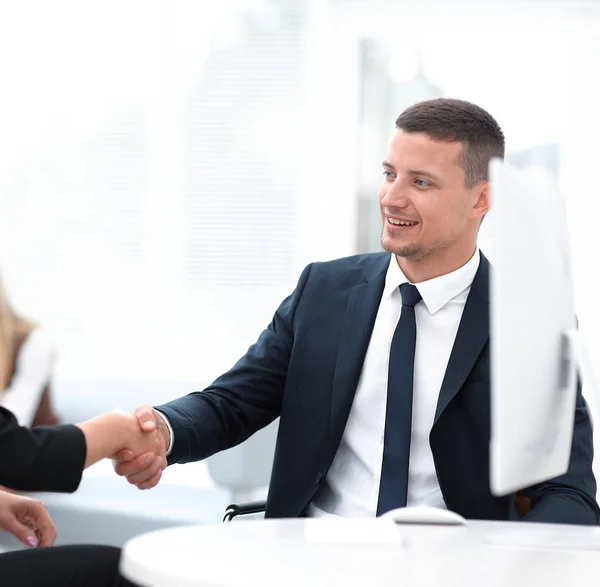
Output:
x,y
429,214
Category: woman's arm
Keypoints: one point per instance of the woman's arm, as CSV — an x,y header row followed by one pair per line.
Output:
x,y
52,458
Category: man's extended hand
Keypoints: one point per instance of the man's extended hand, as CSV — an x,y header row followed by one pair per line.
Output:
x,y
145,470
26,519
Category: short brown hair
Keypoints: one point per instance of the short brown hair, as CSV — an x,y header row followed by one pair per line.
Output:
x,y
450,120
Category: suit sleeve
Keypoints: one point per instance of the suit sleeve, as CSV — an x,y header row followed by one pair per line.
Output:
x,y
243,400
570,498
46,458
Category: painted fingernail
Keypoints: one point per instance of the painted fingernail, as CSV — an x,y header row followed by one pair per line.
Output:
x,y
31,541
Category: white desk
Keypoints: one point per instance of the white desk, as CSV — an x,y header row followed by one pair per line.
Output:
x,y
373,552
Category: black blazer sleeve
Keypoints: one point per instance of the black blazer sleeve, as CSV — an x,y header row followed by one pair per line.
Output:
x,y
46,458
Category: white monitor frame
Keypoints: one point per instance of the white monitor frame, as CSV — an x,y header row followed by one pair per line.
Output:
x,y
535,346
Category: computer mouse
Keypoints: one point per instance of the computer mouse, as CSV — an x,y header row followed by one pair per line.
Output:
x,y
425,515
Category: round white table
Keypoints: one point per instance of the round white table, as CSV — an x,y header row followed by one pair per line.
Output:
x,y
364,552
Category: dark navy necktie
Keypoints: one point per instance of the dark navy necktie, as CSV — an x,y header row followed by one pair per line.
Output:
x,y
398,414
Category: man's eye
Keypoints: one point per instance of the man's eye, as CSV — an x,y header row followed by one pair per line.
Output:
x,y
388,174
421,183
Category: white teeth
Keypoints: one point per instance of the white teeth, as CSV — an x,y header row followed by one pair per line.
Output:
x,y
401,222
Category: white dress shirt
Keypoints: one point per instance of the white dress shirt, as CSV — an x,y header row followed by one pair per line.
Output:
x,y
352,484
33,371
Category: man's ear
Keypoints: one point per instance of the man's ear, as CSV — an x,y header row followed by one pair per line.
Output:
x,y
481,204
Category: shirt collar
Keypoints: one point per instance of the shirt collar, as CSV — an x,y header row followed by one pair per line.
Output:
x,y
436,292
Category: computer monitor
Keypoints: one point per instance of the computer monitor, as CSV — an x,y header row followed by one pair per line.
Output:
x,y
533,336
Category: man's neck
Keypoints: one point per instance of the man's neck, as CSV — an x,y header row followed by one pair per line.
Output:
x,y
435,265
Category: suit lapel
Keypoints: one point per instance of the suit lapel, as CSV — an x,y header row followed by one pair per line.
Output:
x,y
359,319
473,333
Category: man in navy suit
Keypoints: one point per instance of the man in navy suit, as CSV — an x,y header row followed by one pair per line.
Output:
x,y
379,364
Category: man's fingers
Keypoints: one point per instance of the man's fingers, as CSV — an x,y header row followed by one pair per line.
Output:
x,y
123,456
151,482
136,465
146,418
146,474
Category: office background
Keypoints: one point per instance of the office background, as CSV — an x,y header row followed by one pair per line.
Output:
x,y
168,168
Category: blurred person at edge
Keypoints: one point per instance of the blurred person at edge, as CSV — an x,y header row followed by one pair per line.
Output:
x,y
26,362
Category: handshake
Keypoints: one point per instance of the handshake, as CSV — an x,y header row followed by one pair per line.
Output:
x,y
137,444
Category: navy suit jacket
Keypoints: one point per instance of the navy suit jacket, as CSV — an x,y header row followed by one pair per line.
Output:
x,y
305,368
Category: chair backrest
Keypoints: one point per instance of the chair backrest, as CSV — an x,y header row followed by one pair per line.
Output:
x,y
246,467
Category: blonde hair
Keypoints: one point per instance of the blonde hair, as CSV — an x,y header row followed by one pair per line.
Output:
x,y
12,327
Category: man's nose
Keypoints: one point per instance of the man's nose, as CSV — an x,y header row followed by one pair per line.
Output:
x,y
395,197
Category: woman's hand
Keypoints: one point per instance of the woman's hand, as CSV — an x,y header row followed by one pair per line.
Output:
x,y
118,432
26,519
